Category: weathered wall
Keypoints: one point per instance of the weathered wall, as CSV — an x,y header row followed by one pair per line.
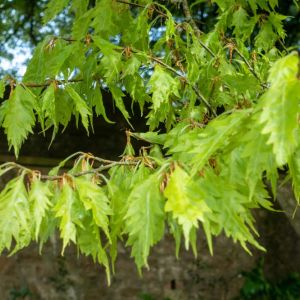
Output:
x,y
52,277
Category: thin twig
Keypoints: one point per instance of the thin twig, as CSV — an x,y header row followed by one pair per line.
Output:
x,y
14,165
92,171
251,69
47,83
189,18
131,3
198,32
246,62
159,61
194,87
153,5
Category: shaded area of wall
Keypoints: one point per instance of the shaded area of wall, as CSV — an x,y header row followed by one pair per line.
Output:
x,y
53,277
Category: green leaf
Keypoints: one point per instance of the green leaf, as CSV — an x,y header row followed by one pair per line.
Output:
x,y
93,198
266,37
131,66
280,103
80,6
119,188
80,106
111,62
198,145
15,216
48,60
294,169
96,100
118,98
162,85
144,220
106,15
49,107
89,243
2,88
39,199
244,25
150,137
186,204
64,211
19,117
53,8
276,21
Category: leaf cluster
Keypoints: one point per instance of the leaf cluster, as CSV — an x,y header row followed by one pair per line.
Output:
x,y
202,167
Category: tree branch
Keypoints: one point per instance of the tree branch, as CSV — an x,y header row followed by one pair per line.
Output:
x,y
92,171
250,67
194,87
131,3
109,164
47,83
198,32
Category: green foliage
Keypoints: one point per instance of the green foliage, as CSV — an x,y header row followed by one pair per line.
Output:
x,y
19,116
53,8
256,286
202,167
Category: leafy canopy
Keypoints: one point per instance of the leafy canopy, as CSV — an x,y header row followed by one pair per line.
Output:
x,y
202,167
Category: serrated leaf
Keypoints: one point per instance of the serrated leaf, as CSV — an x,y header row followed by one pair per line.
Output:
x,y
266,37
118,98
280,108
198,145
89,243
131,66
19,117
53,8
144,220
48,60
111,62
80,106
15,217
186,206
119,187
39,199
243,24
49,107
276,20
93,198
63,210
105,20
162,85
96,100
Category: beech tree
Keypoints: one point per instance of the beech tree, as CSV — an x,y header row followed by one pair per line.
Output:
x,y
222,110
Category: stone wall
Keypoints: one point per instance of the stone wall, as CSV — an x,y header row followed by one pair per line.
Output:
x,y
73,277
